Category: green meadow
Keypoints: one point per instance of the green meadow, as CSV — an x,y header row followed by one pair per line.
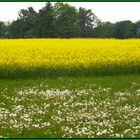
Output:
x,y
98,106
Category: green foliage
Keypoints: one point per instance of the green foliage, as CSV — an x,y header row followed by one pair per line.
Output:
x,y
2,29
124,29
137,28
44,22
107,29
120,30
66,21
61,20
23,26
87,20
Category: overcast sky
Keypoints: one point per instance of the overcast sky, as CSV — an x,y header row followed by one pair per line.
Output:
x,y
106,11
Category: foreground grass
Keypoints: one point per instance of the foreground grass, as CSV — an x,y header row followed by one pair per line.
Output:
x,y
107,106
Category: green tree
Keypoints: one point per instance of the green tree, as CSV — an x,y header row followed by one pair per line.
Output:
x,y
124,29
107,30
66,24
87,20
137,29
44,24
27,17
104,30
15,29
2,29
23,26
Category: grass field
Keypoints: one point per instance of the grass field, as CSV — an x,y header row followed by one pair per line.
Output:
x,y
106,106
69,88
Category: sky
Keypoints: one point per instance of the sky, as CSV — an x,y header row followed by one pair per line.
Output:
x,y
105,11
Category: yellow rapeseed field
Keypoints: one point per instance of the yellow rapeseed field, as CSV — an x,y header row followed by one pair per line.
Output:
x,y
40,57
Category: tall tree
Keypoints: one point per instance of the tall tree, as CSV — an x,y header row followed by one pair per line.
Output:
x,y
66,20
87,20
23,26
27,17
44,24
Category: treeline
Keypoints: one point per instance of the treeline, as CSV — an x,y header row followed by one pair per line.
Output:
x,y
62,20
121,30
